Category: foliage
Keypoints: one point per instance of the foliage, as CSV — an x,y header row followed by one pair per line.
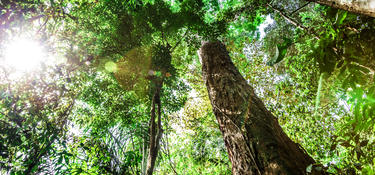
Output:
x,y
314,70
333,42
194,141
34,114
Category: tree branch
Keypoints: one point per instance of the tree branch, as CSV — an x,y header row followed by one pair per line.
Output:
x,y
299,8
363,7
178,42
294,22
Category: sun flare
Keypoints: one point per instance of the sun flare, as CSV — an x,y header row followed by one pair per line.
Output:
x,y
24,54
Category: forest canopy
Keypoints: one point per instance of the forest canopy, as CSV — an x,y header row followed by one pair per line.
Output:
x,y
187,87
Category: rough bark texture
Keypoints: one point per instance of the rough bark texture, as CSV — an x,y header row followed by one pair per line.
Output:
x,y
363,7
255,142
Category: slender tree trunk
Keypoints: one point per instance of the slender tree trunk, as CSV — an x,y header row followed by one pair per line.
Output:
x,y
155,129
255,142
363,7
161,63
145,152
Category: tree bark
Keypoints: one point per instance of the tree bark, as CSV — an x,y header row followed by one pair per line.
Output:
x,y
161,62
156,130
363,7
255,142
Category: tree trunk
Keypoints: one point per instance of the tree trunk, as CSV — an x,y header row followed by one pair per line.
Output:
x,y
255,142
155,130
161,62
145,152
363,7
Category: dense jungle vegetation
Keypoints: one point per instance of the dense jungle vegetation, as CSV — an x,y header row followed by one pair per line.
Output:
x,y
187,87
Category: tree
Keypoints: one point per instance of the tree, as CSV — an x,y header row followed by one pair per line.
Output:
x,y
255,142
136,24
366,7
128,67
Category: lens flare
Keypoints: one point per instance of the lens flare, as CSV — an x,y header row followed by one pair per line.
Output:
x,y
23,54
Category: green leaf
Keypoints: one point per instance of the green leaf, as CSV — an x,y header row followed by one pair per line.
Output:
x,y
340,17
66,159
273,60
357,113
280,52
60,160
309,168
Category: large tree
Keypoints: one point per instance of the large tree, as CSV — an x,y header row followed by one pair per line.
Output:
x,y
125,97
255,142
365,7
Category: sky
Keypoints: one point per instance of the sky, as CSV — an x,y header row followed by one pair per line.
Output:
x,y
265,24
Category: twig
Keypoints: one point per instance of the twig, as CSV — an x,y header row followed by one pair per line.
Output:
x,y
294,22
43,25
178,42
167,152
299,8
